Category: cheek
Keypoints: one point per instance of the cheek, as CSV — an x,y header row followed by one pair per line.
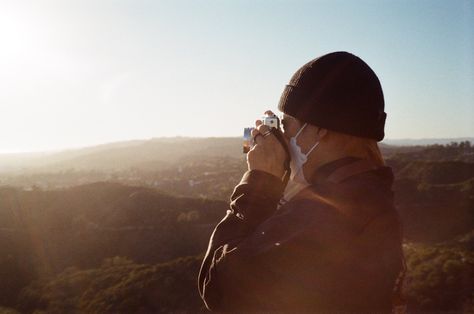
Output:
x,y
290,130
287,132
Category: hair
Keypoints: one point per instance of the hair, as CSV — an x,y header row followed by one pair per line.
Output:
x,y
355,146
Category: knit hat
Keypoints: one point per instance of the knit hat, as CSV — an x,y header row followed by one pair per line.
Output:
x,y
339,92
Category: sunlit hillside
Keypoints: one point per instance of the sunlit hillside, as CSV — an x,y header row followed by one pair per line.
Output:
x,y
152,154
129,238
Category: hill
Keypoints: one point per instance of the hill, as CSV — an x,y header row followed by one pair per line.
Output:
x,y
426,141
44,232
118,285
111,248
114,241
152,154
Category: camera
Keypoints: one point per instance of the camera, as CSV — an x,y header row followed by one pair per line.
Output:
x,y
270,120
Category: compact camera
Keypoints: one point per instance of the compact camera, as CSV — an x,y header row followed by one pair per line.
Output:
x,y
270,120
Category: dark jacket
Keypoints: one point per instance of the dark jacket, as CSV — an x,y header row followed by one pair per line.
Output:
x,y
334,247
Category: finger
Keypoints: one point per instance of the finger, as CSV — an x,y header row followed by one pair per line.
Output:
x,y
257,136
263,128
258,139
254,132
258,122
269,112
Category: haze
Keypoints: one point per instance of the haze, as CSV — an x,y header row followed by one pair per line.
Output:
x,y
79,73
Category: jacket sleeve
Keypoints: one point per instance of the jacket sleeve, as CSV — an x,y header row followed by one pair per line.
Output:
x,y
229,270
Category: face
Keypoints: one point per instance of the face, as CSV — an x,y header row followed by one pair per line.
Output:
x,y
290,125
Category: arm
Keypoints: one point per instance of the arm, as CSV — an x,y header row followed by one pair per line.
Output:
x,y
228,270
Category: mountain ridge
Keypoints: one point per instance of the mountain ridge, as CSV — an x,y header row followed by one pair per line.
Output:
x,y
156,153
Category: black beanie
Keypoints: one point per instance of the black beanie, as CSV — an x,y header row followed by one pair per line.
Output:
x,y
339,92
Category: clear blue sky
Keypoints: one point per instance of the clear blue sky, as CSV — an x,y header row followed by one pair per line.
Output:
x,y
78,73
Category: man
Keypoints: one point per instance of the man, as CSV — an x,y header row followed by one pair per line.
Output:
x,y
330,240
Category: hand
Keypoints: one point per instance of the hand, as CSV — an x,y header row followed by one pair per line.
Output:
x,y
267,154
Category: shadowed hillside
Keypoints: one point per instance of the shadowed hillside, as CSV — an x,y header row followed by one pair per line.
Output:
x,y
44,232
117,245
119,286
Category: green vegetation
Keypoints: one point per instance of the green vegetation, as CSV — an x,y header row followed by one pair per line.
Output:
x,y
440,277
118,286
44,232
130,241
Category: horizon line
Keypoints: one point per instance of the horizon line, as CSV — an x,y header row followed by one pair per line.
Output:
x,y
71,148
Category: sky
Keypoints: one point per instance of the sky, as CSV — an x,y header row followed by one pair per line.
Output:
x,y
86,72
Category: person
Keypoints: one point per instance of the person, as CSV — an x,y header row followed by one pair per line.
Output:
x,y
330,240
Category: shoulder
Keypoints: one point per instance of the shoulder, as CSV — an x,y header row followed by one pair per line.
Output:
x,y
358,200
